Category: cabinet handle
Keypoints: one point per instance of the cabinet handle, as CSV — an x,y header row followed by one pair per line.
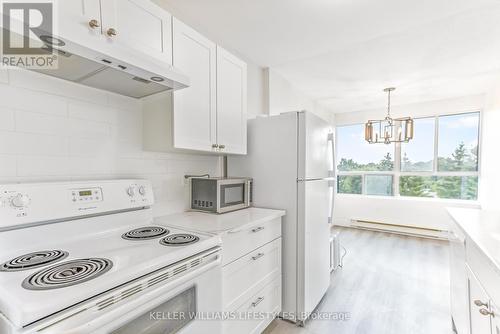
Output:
x,y
111,32
258,301
258,256
485,312
215,146
255,230
479,303
222,147
94,24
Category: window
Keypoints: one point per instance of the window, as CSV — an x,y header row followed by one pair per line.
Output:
x,y
441,161
418,154
379,185
458,142
349,184
355,154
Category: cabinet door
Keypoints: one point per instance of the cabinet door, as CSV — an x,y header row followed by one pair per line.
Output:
x,y
495,320
458,281
478,300
195,106
140,25
231,103
79,18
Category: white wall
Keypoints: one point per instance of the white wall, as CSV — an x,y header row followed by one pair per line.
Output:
x,y
429,108
423,212
489,187
52,129
255,78
282,96
256,90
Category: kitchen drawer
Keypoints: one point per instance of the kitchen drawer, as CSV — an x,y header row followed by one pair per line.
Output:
x,y
484,271
248,272
256,313
237,243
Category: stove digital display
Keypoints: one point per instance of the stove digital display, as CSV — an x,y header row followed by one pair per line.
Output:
x,y
85,193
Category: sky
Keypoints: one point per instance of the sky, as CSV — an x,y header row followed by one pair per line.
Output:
x,y
452,130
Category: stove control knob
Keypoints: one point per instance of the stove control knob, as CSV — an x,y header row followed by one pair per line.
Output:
x,y
131,191
142,190
20,201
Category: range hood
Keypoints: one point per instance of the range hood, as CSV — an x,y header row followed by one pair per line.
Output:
x,y
92,68
138,77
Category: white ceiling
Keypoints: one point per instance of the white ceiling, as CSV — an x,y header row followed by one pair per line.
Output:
x,y
342,53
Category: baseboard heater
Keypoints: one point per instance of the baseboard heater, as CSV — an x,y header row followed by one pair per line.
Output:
x,y
415,231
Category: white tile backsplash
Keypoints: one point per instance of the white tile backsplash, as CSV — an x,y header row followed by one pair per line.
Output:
x,y
53,130
4,76
47,84
7,120
24,99
8,166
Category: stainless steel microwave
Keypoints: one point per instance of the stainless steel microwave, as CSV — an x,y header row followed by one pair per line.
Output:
x,y
219,195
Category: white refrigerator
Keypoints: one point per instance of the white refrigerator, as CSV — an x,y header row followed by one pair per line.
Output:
x,y
290,157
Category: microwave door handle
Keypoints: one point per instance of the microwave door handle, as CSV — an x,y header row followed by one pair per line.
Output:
x,y
248,192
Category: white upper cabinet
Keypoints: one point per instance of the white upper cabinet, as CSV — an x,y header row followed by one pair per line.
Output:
x,y
231,103
209,115
80,18
139,25
194,107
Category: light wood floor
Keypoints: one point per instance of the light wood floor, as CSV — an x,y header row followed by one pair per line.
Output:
x,y
389,284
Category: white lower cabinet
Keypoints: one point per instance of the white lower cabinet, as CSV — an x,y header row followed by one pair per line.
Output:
x,y
480,291
257,312
248,238
479,306
495,321
251,277
248,272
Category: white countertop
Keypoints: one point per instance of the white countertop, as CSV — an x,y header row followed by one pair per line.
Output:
x,y
219,223
482,227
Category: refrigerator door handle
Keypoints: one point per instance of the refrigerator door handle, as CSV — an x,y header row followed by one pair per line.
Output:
x,y
331,172
331,185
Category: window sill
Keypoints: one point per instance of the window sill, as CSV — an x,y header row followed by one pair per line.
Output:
x,y
413,199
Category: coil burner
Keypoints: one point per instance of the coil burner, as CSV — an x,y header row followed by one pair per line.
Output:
x,y
67,274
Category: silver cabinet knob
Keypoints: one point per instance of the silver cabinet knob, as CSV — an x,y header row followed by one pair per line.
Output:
x,y
479,303
94,24
215,146
257,301
258,256
485,312
255,230
222,147
111,32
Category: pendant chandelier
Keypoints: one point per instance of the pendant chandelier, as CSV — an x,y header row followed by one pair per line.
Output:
x,y
389,130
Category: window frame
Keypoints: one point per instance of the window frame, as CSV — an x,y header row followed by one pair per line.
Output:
x,y
397,172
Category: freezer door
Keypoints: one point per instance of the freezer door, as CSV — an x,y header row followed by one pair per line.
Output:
x,y
314,243
315,147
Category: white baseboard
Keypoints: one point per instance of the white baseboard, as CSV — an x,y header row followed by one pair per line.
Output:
x,y
409,230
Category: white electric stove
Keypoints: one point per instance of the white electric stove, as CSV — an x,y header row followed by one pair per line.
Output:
x,y
86,257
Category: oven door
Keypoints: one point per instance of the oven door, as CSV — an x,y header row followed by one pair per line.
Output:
x,y
233,195
188,305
